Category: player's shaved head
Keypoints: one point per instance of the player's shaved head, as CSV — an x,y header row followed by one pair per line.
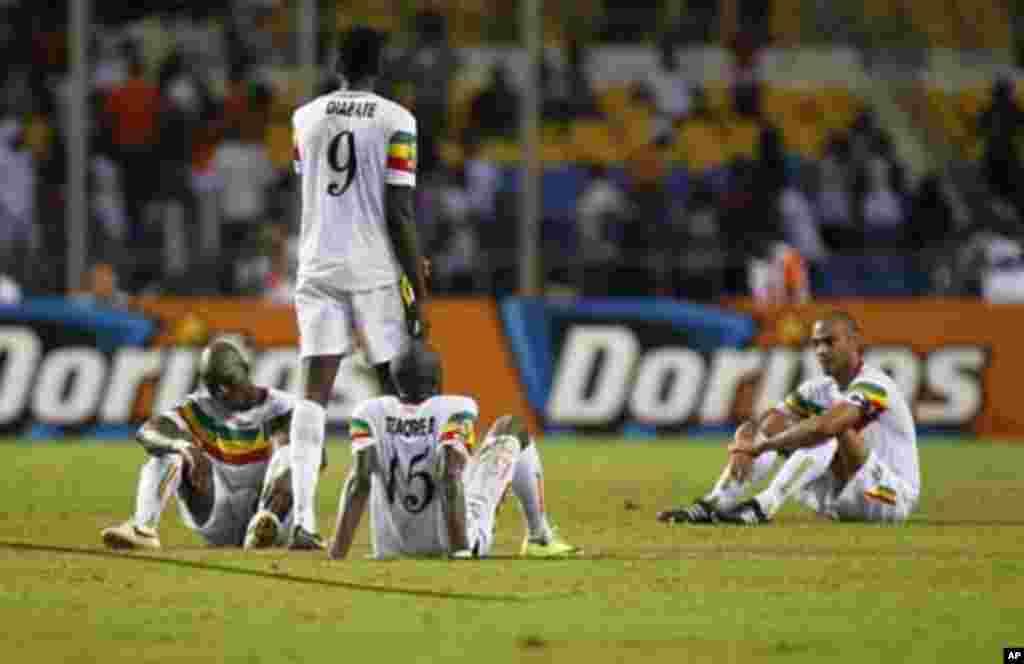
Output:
x,y
360,53
224,362
842,318
416,373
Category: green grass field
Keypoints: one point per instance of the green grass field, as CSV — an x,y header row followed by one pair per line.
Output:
x,y
946,587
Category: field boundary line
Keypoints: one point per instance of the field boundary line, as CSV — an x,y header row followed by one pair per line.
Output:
x,y
282,576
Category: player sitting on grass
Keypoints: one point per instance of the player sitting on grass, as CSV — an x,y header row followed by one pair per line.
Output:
x,y
223,453
847,438
431,492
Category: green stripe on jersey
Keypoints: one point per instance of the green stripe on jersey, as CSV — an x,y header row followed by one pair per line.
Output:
x,y
221,429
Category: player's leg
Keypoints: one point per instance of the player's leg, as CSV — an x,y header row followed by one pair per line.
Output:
x,y
724,495
873,491
159,479
189,477
270,525
803,467
306,444
325,337
487,479
541,539
380,318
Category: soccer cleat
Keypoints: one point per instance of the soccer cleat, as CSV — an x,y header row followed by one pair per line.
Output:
x,y
129,536
747,513
262,531
303,540
701,511
550,547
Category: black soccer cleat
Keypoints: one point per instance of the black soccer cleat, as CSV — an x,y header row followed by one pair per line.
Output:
x,y
747,513
701,511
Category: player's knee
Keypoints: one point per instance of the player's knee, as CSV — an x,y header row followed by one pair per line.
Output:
x,y
279,497
510,425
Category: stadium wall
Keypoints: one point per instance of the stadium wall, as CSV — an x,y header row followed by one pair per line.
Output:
x,y
640,366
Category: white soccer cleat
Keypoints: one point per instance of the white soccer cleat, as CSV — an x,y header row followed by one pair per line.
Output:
x,y
129,536
263,530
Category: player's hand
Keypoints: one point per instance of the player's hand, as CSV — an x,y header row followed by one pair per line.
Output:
x,y
198,470
741,454
414,320
427,270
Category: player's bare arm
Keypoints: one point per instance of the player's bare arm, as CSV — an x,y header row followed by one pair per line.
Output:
x,y
354,496
401,224
278,430
455,499
767,424
160,435
812,431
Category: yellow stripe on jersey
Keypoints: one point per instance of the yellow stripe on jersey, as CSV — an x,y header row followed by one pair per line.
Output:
x,y
232,446
801,406
462,427
872,393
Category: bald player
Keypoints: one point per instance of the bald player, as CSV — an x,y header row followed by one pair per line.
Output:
x,y
223,454
846,439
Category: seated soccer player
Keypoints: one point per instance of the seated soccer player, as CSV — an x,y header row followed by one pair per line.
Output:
x,y
431,490
846,441
223,453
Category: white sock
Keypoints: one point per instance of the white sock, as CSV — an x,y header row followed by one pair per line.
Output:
x,y
728,490
159,479
528,485
801,468
309,420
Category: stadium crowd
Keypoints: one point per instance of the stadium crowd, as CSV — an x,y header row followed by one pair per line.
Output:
x,y
191,189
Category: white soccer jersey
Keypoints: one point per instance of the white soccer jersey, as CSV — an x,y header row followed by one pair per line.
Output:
x,y
348,146
887,424
237,440
407,514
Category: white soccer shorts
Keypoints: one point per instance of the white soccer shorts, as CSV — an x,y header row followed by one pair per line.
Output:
x,y
236,493
874,494
333,322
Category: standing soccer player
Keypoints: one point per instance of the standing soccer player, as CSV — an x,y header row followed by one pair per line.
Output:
x,y
361,276
431,492
847,440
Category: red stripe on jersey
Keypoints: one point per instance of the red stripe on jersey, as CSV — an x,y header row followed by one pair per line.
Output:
x,y
407,165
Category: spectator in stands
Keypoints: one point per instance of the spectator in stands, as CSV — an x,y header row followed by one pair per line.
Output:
x,y
838,225
799,220
131,113
456,249
17,195
883,213
431,65
645,236
245,174
698,262
281,254
483,179
554,93
583,102
101,287
601,213
671,89
1003,116
931,223
495,109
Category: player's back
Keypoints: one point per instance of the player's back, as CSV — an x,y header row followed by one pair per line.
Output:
x,y
349,145
406,502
